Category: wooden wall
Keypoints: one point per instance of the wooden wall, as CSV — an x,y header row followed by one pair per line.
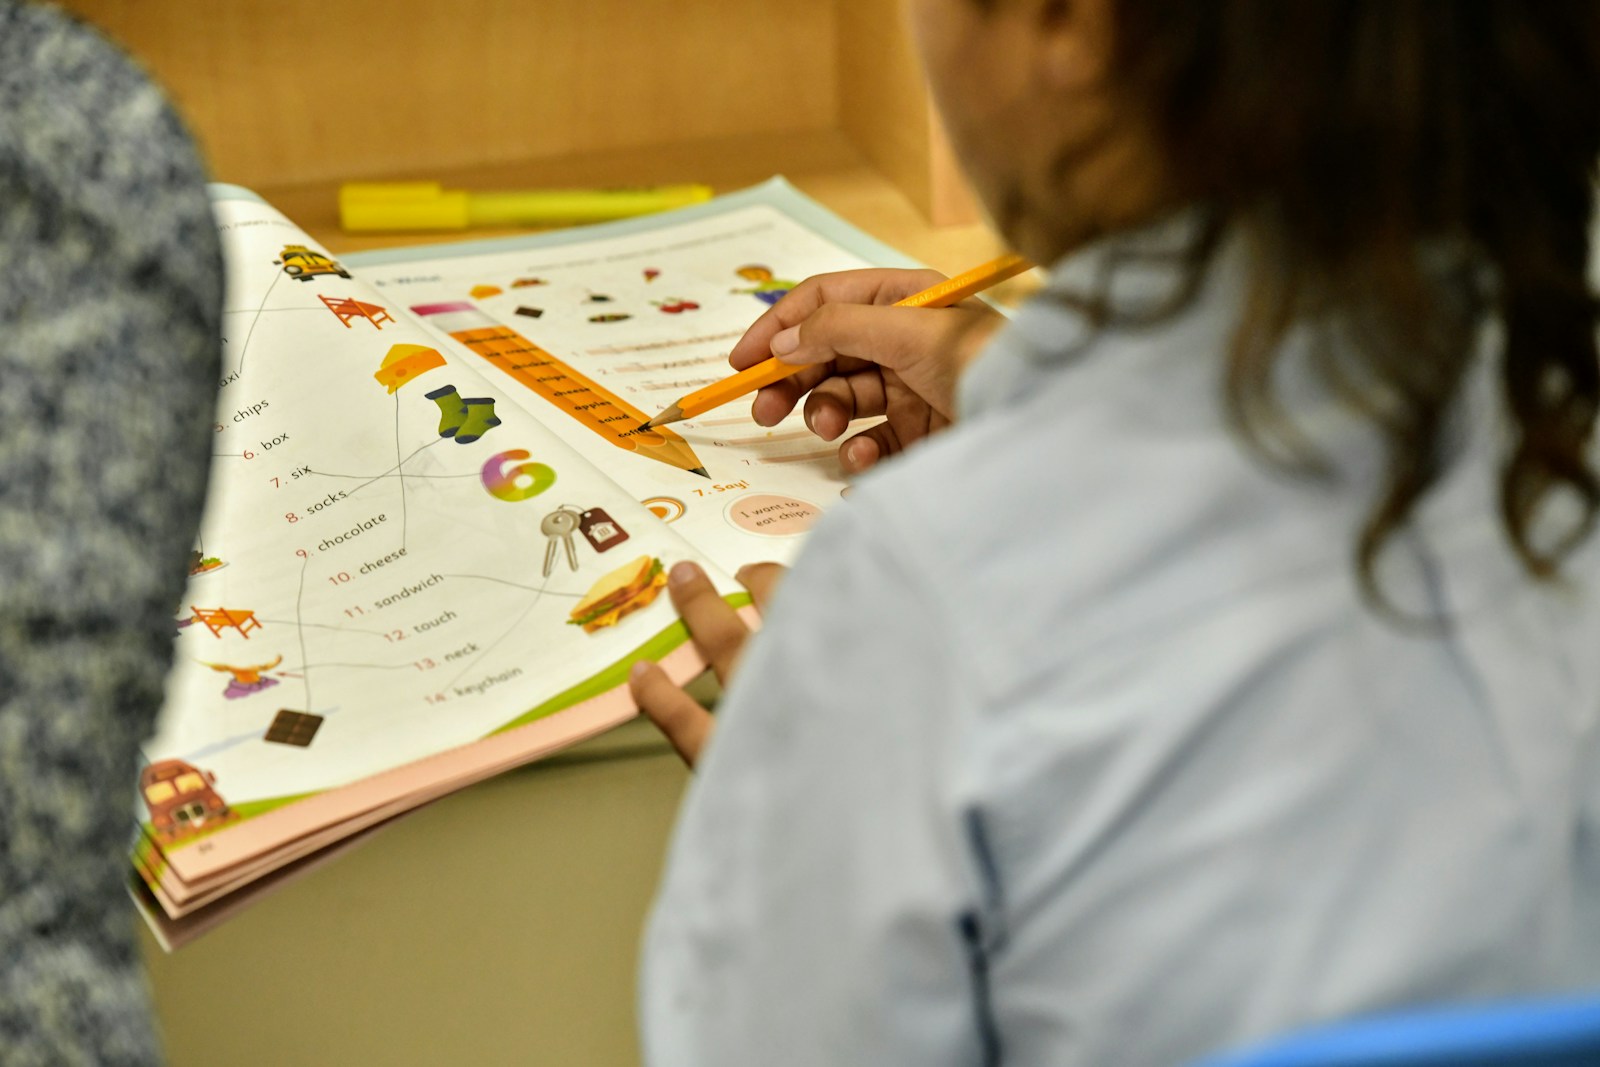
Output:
x,y
286,91
290,92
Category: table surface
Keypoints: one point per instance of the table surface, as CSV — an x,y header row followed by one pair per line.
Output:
x,y
500,924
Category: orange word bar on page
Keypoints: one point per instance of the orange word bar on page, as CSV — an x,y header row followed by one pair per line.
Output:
x,y
590,403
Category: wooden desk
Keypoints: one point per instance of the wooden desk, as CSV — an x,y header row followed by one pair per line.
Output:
x,y
501,924
497,926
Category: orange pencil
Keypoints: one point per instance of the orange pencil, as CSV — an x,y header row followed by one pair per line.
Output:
x,y
950,291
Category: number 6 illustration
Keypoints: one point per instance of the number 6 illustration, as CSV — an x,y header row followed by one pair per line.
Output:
x,y
508,480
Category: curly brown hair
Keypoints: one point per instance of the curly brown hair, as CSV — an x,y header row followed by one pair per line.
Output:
x,y
1341,136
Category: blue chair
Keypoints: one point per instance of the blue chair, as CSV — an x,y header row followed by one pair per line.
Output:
x,y
1548,1032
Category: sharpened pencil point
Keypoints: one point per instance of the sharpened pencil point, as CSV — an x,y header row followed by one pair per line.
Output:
x,y
671,414
701,471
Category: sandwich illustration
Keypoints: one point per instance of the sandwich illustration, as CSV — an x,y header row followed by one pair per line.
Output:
x,y
625,590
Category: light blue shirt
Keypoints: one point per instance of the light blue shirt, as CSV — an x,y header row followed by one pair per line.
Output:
x,y
1069,740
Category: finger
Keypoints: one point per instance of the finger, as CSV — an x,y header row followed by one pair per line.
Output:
x,y
717,630
925,347
774,402
868,447
756,343
891,337
860,453
839,400
762,580
685,723
915,342
870,286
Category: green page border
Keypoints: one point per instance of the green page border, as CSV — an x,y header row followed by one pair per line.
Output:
x,y
606,679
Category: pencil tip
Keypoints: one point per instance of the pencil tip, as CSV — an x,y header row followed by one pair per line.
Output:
x,y
671,414
650,424
701,471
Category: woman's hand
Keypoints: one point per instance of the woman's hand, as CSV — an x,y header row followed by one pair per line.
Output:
x,y
865,358
718,633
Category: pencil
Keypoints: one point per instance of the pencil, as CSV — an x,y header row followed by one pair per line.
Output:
x,y
950,291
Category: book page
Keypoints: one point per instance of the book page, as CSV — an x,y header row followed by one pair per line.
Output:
x,y
396,558
603,328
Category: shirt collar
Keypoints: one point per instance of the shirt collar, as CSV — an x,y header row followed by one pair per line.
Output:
x,y
1133,275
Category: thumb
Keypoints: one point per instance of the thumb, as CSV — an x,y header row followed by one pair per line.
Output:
x,y
676,714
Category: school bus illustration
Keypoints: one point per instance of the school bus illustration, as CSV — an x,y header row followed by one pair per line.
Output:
x,y
181,800
302,264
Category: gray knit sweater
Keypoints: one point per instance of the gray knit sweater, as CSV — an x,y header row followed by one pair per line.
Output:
x,y
110,290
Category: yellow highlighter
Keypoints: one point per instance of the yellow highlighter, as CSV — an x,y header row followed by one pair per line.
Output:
x,y
389,206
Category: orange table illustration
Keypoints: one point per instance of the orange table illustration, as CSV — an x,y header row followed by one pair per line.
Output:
x,y
590,403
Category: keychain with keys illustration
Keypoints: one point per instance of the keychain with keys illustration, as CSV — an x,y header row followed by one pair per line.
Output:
x,y
559,527
600,529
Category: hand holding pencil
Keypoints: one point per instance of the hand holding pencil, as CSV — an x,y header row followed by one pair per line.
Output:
x,y
863,343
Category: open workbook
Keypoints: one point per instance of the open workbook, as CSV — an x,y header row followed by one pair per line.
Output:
x,y
436,532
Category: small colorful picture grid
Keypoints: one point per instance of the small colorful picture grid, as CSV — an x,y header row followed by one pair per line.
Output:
x,y
293,728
